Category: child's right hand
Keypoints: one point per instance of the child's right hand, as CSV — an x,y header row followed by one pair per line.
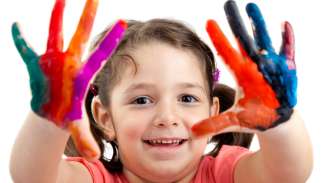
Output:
x,y
59,80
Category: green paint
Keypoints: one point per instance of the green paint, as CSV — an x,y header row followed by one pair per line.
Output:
x,y
38,82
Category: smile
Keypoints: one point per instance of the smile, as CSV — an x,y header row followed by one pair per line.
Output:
x,y
165,142
165,148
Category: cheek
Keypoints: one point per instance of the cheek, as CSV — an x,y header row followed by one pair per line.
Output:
x,y
129,126
197,115
130,131
134,132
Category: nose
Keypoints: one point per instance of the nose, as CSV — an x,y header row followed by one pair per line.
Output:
x,y
166,115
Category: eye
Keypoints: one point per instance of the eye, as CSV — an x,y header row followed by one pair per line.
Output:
x,y
188,99
141,100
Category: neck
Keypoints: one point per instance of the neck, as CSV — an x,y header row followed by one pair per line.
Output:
x,y
134,178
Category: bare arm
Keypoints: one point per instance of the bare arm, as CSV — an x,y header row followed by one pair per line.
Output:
x,y
36,155
58,83
266,99
285,155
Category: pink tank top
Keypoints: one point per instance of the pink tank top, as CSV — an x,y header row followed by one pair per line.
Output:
x,y
219,169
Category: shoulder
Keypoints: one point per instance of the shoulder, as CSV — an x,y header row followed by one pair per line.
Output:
x,y
95,170
220,168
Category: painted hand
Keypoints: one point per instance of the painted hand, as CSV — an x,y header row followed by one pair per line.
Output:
x,y
267,80
59,80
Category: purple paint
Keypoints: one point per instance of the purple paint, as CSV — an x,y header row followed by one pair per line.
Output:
x,y
94,63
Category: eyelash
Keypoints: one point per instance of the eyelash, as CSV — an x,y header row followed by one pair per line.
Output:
x,y
192,97
139,98
136,101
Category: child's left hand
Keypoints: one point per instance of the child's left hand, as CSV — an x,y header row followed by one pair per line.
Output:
x,y
267,80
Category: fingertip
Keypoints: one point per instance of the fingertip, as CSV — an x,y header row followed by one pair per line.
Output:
x,y
209,21
230,4
91,155
251,7
202,128
288,32
123,24
95,2
288,28
15,29
15,24
213,30
84,140
210,24
254,13
288,42
232,12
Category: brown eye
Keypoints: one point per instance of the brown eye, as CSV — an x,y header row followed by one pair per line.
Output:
x,y
188,99
142,100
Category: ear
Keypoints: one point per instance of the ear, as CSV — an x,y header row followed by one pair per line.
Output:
x,y
214,110
103,118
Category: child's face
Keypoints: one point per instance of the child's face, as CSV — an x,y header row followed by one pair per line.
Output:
x,y
159,104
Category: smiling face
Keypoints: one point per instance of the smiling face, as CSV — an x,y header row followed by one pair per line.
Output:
x,y
152,110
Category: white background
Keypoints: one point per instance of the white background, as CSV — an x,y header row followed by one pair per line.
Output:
x,y
34,15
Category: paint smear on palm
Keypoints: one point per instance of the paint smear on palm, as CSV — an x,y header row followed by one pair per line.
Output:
x,y
258,94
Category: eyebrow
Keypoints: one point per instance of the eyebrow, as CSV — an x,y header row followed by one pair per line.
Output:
x,y
149,86
190,86
138,86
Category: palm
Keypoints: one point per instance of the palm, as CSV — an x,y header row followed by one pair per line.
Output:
x,y
58,79
267,81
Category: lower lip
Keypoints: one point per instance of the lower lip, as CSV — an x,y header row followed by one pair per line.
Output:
x,y
164,151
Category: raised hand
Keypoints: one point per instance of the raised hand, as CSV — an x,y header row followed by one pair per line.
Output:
x,y
59,80
267,80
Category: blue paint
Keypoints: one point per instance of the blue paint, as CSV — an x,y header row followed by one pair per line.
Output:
x,y
261,35
273,66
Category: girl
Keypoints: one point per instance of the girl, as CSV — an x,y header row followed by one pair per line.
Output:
x,y
146,102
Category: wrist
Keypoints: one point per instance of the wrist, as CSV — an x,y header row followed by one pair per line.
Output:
x,y
47,125
282,128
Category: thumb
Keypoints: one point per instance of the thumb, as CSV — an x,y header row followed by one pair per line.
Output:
x,y
221,123
249,116
84,140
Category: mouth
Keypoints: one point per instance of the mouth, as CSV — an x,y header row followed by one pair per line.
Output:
x,y
165,148
165,142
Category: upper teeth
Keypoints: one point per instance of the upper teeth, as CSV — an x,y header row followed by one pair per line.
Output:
x,y
164,141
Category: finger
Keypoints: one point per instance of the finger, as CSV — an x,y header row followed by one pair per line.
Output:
x,y
230,56
251,115
84,140
25,51
83,30
259,28
73,56
38,83
55,39
245,70
288,44
95,61
291,89
238,28
221,123
289,66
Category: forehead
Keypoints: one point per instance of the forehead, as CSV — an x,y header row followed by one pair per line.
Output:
x,y
158,59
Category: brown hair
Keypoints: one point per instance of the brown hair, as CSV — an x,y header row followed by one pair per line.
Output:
x,y
177,35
